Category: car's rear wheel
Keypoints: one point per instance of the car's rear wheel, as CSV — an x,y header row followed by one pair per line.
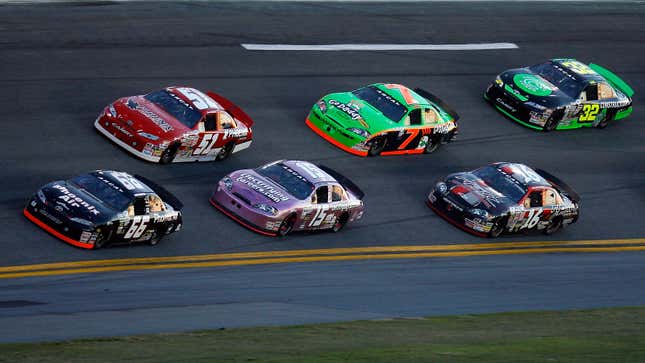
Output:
x,y
602,124
225,152
498,227
377,146
287,225
340,222
554,226
168,155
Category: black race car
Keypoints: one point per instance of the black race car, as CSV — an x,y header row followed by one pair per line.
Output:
x,y
561,94
104,207
505,197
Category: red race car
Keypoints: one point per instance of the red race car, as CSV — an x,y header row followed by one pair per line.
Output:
x,y
176,124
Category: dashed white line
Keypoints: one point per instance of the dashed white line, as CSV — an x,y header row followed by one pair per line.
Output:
x,y
376,47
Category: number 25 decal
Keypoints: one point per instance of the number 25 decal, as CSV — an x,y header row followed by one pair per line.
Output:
x,y
208,141
589,112
138,226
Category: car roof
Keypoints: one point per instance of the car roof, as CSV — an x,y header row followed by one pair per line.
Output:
x,y
404,95
195,98
122,182
310,171
522,174
569,65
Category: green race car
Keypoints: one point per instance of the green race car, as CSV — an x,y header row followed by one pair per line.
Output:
x,y
386,119
561,94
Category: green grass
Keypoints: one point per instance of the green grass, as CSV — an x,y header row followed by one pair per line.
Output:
x,y
601,335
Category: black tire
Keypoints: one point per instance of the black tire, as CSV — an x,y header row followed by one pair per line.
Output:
x,y
604,123
550,124
168,155
155,239
340,222
287,225
377,146
226,151
103,240
554,226
498,227
432,145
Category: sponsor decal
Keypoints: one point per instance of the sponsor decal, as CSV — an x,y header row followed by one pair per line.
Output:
x,y
156,119
236,133
444,128
313,171
347,109
262,187
168,217
46,214
487,196
120,128
501,102
74,201
478,225
110,183
532,84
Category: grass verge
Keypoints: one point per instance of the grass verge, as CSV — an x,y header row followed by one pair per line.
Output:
x,y
599,335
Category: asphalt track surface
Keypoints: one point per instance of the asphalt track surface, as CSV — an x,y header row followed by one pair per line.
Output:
x,y
61,64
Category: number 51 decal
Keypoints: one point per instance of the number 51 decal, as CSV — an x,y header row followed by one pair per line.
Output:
x,y
589,112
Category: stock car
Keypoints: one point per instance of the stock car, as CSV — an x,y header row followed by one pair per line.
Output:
x,y
288,195
105,207
176,124
505,198
385,119
561,94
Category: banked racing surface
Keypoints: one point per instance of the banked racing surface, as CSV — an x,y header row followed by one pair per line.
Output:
x,y
59,72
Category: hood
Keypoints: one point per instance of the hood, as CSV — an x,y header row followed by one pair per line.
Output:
x,y
75,203
254,188
473,193
142,115
350,111
529,87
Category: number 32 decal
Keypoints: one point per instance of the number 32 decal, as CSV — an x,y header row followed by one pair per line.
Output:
x,y
589,112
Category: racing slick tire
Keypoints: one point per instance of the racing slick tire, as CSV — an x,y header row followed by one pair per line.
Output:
x,y
226,151
287,225
554,226
602,124
340,223
553,121
377,146
498,227
155,239
433,145
103,240
168,155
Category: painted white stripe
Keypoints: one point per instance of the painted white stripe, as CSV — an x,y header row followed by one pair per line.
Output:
x,y
373,47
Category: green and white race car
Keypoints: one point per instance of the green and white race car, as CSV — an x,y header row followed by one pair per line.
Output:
x,y
561,94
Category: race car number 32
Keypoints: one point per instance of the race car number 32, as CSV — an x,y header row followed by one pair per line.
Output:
x,y
589,112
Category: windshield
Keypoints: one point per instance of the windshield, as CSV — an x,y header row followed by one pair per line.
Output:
x,y
559,78
500,182
288,178
102,191
175,106
388,106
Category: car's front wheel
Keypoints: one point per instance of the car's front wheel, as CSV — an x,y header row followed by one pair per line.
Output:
x,y
168,155
377,145
287,225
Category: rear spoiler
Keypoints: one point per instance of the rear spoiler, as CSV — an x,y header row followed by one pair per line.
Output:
x,y
615,81
344,181
559,184
231,108
437,101
165,195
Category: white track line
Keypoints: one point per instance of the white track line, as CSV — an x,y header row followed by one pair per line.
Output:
x,y
373,47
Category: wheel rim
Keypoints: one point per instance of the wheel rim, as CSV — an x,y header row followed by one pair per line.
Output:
x,y
554,227
168,155
286,226
225,152
432,146
497,229
377,146
340,223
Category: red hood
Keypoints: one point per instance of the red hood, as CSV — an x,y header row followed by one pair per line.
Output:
x,y
143,115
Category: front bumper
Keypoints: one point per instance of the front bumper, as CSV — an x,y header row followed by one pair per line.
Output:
x,y
451,212
512,107
55,224
106,126
335,135
240,211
